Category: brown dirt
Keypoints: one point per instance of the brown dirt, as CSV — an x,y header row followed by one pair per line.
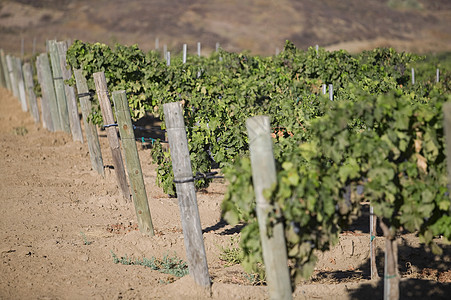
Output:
x,y
60,223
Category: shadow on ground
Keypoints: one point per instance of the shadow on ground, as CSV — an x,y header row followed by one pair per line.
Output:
x,y
408,288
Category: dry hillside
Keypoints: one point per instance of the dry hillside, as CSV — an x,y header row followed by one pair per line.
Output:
x,y
255,25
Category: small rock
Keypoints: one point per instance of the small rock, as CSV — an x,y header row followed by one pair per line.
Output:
x,y
83,257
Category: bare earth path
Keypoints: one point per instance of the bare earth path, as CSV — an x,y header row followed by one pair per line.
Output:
x,y
60,222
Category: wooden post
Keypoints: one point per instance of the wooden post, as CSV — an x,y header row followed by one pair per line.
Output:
x,y
331,92
29,86
168,58
264,176
90,129
48,93
198,49
135,175
447,129
59,87
373,234
108,119
186,194
71,100
2,73
184,53
11,66
21,84
45,106
5,70
391,276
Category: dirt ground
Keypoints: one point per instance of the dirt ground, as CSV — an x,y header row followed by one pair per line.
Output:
x,y
61,223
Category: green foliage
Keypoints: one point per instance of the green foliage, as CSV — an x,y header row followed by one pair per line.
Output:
x,y
366,138
395,151
168,265
231,255
125,68
21,130
85,239
404,4
381,133
165,175
255,279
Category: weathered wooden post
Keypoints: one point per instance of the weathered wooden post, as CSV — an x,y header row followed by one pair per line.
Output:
x,y
391,276
264,176
21,84
71,100
373,265
11,66
331,92
447,129
29,87
186,194
50,114
108,119
45,108
90,129
59,87
2,73
5,70
133,163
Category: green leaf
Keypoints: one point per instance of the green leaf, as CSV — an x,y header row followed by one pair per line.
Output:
x,y
349,170
381,174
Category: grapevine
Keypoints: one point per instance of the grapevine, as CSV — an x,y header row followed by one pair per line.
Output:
x,y
381,134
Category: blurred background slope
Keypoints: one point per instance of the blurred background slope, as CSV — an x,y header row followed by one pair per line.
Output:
x,y
260,26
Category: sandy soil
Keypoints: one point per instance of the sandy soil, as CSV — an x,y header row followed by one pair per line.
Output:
x,y
60,223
